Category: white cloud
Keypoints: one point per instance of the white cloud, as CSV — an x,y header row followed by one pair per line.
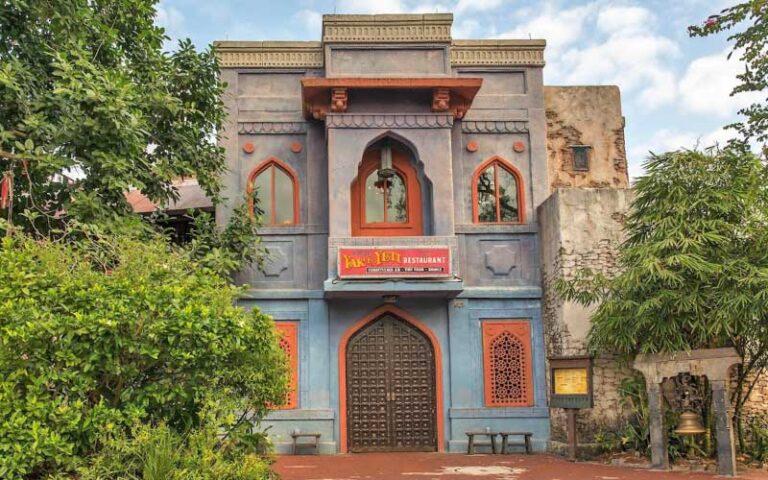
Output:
x,y
707,84
666,140
171,19
480,5
465,29
561,28
312,21
370,6
595,44
623,19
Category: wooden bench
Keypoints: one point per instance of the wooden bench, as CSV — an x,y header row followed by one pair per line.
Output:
x,y
471,444
526,443
314,443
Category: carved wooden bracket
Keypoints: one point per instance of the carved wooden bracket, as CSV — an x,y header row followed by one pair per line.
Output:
x,y
441,99
339,100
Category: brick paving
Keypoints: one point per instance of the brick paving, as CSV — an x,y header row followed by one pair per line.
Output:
x,y
429,466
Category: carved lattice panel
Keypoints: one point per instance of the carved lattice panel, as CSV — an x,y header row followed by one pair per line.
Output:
x,y
391,402
507,363
289,342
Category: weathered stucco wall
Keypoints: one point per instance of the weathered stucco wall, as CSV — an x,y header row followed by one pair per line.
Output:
x,y
581,228
589,115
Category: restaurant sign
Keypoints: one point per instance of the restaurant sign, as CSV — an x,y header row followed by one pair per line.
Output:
x,y
394,262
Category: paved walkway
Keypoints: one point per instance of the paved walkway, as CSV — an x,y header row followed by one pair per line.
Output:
x,y
428,466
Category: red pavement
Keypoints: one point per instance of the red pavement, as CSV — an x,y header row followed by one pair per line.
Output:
x,y
428,466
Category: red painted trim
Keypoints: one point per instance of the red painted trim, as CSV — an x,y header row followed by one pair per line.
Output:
x,y
402,314
274,161
520,190
289,331
520,329
414,226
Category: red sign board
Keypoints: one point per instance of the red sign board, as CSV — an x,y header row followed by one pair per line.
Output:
x,y
394,262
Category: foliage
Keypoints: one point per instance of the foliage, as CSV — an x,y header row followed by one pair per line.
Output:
x,y
757,448
109,330
157,452
694,265
751,45
91,104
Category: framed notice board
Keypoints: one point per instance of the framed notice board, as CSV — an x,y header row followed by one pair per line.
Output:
x,y
570,382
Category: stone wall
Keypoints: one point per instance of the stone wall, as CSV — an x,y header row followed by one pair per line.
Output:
x,y
589,115
581,228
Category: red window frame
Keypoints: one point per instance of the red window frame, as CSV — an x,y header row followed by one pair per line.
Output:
x,y
498,162
261,168
520,330
289,342
402,164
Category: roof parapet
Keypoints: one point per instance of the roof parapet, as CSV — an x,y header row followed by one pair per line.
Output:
x,y
408,28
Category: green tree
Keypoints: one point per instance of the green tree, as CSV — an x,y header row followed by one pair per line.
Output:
x,y
693,266
91,104
110,330
750,43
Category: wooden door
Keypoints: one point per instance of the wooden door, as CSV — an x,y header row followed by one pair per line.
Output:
x,y
391,393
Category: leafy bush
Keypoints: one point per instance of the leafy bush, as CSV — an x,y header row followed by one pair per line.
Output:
x,y
160,453
99,334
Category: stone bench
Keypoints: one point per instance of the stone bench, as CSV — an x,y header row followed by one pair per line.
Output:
x,y
471,444
525,443
314,443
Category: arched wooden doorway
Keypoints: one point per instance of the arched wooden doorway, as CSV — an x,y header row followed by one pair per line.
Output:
x,y
391,388
386,207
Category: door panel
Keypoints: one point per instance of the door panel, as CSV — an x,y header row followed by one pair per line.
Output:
x,y
391,397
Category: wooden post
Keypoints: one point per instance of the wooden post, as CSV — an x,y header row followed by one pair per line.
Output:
x,y
572,437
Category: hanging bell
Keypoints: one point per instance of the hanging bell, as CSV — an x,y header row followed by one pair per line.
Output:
x,y
690,424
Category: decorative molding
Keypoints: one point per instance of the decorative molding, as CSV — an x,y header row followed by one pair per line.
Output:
x,y
414,120
494,126
467,53
272,128
270,54
387,28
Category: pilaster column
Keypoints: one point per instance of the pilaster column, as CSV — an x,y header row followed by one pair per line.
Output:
x,y
659,457
726,449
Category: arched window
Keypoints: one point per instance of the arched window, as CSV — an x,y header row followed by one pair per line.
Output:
x,y
386,198
507,363
497,193
277,191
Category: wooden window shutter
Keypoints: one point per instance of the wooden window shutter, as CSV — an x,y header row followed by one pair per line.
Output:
x,y
289,342
507,369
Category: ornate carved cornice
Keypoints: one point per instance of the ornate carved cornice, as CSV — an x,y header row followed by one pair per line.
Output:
x,y
469,53
387,28
270,54
494,126
272,128
450,94
413,120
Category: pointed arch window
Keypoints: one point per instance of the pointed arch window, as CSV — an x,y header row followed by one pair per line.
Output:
x,y
497,193
277,191
386,195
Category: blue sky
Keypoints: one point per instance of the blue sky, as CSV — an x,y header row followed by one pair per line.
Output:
x,y
675,89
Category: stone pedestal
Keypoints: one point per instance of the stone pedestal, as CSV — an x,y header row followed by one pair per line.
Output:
x,y
715,364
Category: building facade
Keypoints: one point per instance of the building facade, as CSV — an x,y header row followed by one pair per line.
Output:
x,y
400,175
